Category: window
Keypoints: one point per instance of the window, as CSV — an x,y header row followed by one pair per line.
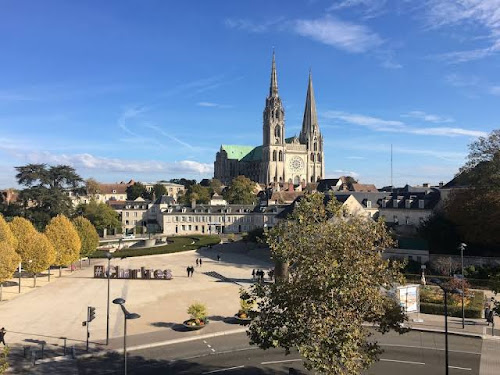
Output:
x,y
183,227
319,157
196,228
189,227
135,222
114,191
126,222
277,131
368,204
280,156
135,214
421,203
315,146
312,158
126,214
384,203
395,220
395,203
274,155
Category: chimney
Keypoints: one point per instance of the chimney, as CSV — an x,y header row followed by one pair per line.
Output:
x,y
193,203
441,184
425,184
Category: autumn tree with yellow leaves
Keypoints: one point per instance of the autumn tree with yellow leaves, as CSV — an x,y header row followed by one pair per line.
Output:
x,y
34,248
9,259
89,237
64,237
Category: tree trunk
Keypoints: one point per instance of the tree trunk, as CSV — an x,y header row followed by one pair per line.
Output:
x,y
280,270
34,280
60,271
48,274
1,291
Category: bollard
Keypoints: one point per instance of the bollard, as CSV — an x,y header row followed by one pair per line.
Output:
x,y
73,352
43,346
33,357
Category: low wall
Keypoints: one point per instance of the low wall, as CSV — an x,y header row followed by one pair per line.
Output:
x,y
468,260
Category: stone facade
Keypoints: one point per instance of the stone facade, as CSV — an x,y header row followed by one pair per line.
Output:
x,y
298,160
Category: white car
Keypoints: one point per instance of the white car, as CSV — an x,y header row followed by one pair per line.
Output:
x,y
128,236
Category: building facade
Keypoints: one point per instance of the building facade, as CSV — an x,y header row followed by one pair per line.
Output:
x,y
298,160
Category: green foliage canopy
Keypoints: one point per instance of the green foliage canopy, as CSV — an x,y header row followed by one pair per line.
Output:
x,y
100,215
89,237
335,284
241,191
64,237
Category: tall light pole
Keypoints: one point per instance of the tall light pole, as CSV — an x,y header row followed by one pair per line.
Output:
x,y
126,316
462,247
109,256
445,291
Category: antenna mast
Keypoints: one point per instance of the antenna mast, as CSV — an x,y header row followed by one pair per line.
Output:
x,y
392,186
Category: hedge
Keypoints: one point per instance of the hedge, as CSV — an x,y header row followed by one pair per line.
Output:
x,y
474,283
475,310
178,244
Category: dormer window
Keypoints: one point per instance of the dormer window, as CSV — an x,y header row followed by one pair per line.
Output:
x,y
114,191
421,203
395,203
384,203
408,203
183,209
368,204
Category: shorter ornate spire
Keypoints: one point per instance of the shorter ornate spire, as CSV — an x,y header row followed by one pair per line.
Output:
x,y
273,89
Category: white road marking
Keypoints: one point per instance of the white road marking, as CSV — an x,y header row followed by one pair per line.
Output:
x,y
283,361
209,346
213,350
396,360
460,368
223,369
429,348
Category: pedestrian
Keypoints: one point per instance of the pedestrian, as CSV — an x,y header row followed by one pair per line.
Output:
x,y
487,314
201,262
253,274
197,262
2,336
218,257
188,269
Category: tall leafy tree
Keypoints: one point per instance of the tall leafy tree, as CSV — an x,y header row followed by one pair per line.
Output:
x,y
89,237
9,259
182,181
241,191
159,190
100,215
34,248
216,186
200,194
45,194
92,187
137,190
64,237
335,282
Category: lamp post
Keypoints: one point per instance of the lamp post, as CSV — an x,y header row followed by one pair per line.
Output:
x,y
462,247
126,316
108,256
445,291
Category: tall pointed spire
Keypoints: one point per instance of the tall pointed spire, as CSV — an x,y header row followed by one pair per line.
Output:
x,y
310,121
273,89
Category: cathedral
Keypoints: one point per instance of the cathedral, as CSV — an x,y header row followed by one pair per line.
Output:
x,y
296,160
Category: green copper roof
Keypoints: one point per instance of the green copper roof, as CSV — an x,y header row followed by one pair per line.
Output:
x,y
246,153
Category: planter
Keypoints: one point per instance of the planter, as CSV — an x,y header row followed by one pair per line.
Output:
x,y
188,324
242,320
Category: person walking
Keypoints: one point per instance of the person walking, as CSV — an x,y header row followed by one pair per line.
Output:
x,y
2,336
188,269
218,257
197,262
201,262
192,271
253,274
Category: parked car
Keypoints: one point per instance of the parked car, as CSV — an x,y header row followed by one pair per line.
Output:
x,y
128,236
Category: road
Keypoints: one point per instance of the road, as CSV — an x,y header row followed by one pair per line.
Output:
x,y
415,353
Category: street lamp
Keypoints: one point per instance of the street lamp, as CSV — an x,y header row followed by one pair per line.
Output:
x,y
462,247
126,315
108,256
445,291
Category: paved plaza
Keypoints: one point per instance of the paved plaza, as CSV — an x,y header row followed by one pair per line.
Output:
x,y
58,309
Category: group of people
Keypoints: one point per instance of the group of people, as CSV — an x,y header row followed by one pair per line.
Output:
x,y
190,271
199,262
260,274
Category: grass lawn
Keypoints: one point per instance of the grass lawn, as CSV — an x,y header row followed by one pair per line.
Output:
x,y
175,245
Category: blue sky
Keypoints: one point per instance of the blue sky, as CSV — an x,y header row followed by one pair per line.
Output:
x,y
150,89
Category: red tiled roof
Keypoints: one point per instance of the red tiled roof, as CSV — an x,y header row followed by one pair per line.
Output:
x,y
364,188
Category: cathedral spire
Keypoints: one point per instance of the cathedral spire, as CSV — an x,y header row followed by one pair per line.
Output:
x,y
310,121
273,89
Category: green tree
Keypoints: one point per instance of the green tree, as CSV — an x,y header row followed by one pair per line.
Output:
x,y
137,190
241,191
159,190
92,187
335,283
440,232
100,215
89,237
197,192
216,186
64,237
35,250
45,194
182,181
9,259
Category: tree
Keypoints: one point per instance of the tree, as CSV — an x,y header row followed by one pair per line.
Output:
x,y
182,181
64,237
137,190
45,195
34,248
89,237
9,259
196,192
335,284
92,187
440,232
100,215
241,191
159,190
216,186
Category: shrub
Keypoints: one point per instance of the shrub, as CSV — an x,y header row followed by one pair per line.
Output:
x,y
433,306
197,311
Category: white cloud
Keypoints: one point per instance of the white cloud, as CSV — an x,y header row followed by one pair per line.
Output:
x,y
251,26
482,15
212,105
420,115
336,173
459,80
343,35
370,8
381,125
91,162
